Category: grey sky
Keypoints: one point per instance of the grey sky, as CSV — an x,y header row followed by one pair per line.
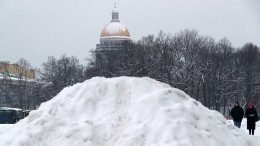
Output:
x,y
36,29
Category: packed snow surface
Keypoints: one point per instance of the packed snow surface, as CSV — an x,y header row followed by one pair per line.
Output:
x,y
124,111
244,128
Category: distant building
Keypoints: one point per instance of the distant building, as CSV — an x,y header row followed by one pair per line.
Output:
x,y
112,37
17,85
16,70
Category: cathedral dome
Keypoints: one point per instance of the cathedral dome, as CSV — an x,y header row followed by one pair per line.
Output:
x,y
115,29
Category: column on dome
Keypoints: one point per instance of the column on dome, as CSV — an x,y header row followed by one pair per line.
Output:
x,y
115,14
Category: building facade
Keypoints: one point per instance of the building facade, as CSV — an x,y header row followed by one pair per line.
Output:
x,y
16,70
17,85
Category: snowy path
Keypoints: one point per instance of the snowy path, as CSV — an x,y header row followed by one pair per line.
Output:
x,y
243,127
5,127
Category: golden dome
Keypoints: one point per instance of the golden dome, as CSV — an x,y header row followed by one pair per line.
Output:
x,y
115,29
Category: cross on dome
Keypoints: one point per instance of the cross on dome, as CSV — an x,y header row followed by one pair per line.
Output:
x,y
115,14
115,5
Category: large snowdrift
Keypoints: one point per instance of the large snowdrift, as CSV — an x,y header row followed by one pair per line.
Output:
x,y
124,112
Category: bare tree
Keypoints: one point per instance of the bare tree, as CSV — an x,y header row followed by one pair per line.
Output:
x,y
214,73
249,77
61,73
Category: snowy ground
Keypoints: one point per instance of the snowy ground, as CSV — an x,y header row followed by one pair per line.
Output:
x,y
243,126
124,112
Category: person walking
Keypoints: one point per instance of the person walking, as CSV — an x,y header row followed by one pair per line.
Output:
x,y
251,115
237,113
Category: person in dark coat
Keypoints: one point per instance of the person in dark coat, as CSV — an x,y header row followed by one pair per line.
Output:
x,y
251,116
237,114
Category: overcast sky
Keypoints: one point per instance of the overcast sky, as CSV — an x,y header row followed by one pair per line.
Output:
x,y
36,29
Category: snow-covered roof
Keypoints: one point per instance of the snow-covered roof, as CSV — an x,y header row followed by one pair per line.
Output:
x,y
15,78
9,108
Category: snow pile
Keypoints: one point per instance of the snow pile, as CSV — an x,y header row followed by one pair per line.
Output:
x,y
124,112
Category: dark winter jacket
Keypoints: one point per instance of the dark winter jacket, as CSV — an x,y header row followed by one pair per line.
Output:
x,y
251,116
237,113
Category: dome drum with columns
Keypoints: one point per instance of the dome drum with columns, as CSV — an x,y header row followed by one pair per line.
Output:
x,y
113,34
